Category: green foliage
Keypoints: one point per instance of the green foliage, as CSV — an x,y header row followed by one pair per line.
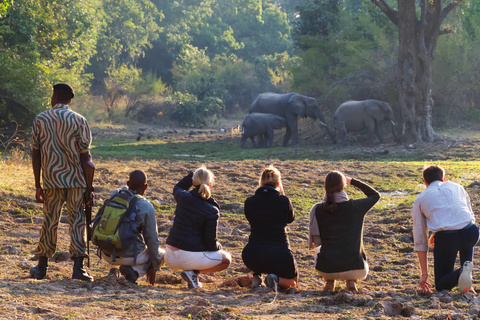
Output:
x,y
227,77
188,111
4,4
344,55
198,31
132,52
456,68
235,79
128,29
43,43
276,70
127,85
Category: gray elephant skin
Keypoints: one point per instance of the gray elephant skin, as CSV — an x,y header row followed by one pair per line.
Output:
x,y
353,116
261,125
289,106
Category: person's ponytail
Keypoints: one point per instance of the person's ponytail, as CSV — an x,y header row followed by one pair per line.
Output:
x,y
334,182
204,191
330,204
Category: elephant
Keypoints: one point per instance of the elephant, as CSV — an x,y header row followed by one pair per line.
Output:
x,y
358,115
261,125
289,106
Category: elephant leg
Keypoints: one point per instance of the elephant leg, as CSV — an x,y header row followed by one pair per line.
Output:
x,y
371,128
243,140
261,141
340,132
252,138
269,136
377,132
294,128
288,133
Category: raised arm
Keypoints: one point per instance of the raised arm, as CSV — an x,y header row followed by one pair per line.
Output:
x,y
366,189
373,195
181,188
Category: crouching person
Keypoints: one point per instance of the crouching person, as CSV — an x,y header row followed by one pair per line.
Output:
x,y
192,242
336,230
125,230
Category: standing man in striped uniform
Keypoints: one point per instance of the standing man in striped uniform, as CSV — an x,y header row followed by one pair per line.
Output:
x,y
60,151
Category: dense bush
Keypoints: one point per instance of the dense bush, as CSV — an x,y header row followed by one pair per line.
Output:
x,y
189,111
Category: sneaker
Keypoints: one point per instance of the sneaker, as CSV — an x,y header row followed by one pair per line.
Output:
x,y
191,277
256,281
272,282
465,279
129,274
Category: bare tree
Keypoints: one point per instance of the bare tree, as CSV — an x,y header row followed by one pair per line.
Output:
x,y
418,38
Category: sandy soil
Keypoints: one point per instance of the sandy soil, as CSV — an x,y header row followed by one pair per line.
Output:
x,y
390,290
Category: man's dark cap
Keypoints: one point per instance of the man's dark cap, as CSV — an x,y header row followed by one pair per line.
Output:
x,y
64,88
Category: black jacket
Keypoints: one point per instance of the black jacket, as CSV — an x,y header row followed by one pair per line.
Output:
x,y
268,213
341,232
195,223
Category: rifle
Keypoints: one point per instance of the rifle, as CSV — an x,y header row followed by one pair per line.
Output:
x,y
89,171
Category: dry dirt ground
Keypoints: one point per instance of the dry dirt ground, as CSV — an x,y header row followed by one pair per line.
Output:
x,y
391,289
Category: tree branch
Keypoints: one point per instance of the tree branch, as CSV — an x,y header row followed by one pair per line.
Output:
x,y
448,8
389,12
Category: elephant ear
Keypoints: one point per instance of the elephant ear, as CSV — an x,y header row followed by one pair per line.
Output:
x,y
376,110
297,105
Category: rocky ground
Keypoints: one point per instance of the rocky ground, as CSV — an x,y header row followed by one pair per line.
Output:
x,y
391,289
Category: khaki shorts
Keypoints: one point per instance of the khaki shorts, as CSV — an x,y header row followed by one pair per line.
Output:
x,y
141,262
190,260
357,274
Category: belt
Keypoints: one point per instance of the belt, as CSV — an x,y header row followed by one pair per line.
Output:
x,y
453,231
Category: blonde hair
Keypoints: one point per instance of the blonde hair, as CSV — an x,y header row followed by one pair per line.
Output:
x,y
203,179
270,177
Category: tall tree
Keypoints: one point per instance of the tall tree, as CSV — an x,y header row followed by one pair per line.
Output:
x,y
43,42
418,36
129,28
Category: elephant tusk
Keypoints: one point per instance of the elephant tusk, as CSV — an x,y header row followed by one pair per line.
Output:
x,y
393,122
322,123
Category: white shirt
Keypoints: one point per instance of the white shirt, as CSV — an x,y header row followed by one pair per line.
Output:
x,y
442,206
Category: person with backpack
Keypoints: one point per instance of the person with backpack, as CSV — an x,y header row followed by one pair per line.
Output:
x,y
125,230
192,244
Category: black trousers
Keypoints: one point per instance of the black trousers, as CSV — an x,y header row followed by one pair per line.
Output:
x,y
270,259
448,244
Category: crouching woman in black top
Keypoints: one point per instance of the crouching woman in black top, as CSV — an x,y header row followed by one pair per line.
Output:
x,y
338,231
192,241
268,212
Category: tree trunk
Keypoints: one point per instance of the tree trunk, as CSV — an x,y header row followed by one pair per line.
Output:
x,y
408,65
417,44
415,72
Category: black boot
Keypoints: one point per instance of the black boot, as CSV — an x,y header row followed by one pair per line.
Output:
x,y
40,271
78,272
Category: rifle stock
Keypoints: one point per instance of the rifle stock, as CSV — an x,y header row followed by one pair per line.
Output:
x,y
89,172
